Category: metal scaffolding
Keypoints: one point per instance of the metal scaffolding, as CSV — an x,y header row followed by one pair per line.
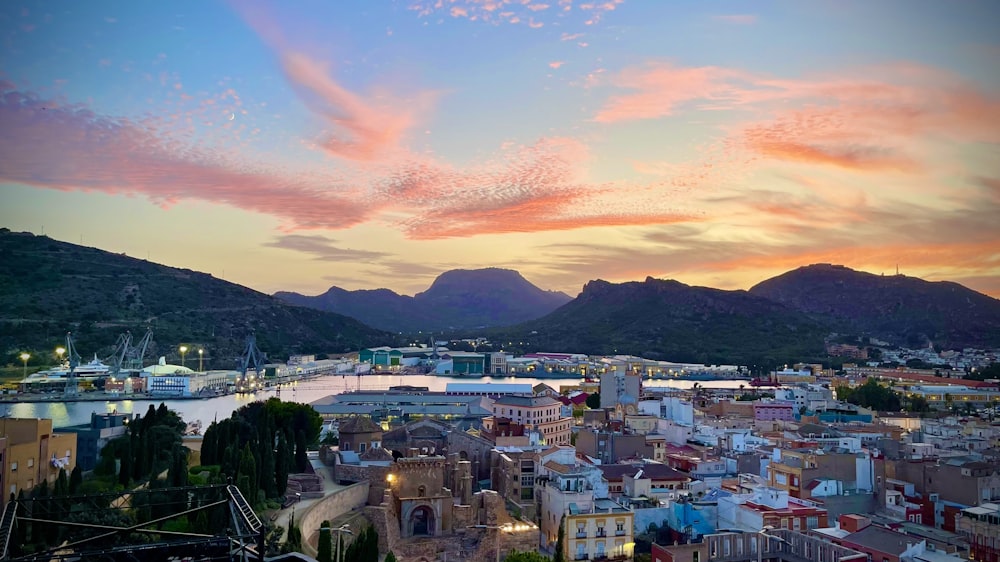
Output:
x,y
133,525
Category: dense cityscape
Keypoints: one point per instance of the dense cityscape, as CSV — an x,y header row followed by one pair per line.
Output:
x,y
482,455
499,281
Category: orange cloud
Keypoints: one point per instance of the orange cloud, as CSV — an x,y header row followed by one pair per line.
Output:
x,y
862,124
556,64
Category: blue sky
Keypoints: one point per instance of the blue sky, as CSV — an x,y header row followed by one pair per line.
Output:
x,y
377,144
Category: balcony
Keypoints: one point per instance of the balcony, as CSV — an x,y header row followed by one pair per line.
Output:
x,y
582,557
581,535
601,533
620,533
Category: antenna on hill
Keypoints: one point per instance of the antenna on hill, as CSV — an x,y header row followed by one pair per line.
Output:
x,y
897,269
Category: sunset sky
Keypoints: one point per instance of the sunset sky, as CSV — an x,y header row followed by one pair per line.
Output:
x,y
302,144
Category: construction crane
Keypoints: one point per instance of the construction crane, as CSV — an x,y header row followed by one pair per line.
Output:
x,y
71,389
128,357
252,358
134,354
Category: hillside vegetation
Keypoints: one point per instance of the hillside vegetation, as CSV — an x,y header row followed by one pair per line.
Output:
x,y
48,287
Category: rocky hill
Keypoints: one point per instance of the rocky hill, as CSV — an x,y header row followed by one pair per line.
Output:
x,y
457,299
670,320
48,287
902,310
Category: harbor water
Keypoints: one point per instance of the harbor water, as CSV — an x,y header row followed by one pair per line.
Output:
x,y
205,410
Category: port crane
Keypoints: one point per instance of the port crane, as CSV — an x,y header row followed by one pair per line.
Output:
x,y
127,356
252,357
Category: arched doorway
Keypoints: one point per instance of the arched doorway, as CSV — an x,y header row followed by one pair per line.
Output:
x,y
422,523
463,456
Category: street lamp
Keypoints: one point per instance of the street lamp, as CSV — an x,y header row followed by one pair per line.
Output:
x,y
200,353
766,537
340,530
59,353
183,351
25,357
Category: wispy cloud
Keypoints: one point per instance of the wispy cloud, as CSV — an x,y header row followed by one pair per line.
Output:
x,y
517,11
738,19
365,126
322,248
859,123
556,63
69,147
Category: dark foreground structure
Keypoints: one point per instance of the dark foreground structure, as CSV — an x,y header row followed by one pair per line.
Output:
x,y
187,523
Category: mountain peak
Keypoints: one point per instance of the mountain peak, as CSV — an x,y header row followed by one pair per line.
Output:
x,y
459,298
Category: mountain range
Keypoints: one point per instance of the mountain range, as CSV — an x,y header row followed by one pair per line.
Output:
x,y
779,320
48,287
457,299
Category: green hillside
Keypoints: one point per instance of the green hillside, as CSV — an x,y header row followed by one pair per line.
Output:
x,y
48,287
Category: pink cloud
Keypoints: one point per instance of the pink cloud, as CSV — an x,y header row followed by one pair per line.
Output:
x,y
739,19
365,127
72,148
556,63
863,124
373,128
533,188
661,88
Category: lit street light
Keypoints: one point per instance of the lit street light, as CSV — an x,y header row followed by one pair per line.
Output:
x,y
200,353
59,353
183,350
507,528
25,357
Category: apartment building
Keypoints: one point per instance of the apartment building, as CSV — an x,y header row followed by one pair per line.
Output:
x,y
981,526
961,480
539,413
30,451
595,526
795,470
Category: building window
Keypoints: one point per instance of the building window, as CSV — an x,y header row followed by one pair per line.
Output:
x,y
13,466
31,462
695,556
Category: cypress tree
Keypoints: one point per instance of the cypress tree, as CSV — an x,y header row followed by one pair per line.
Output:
x,y
301,460
324,551
560,542
125,470
75,479
389,557
281,462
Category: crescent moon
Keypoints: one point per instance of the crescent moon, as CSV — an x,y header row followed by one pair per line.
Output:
x,y
232,116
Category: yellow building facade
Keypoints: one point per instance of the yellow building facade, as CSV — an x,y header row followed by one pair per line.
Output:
x,y
599,535
30,452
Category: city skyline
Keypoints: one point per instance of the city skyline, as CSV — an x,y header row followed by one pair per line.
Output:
x,y
294,147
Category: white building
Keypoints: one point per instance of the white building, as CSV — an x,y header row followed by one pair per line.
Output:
x,y
174,380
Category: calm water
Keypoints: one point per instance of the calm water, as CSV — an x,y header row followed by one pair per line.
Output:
x,y
73,413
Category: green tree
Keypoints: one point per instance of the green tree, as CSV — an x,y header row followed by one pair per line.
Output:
x,y
247,480
281,461
594,401
325,547
560,542
75,479
530,556
301,459
389,557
